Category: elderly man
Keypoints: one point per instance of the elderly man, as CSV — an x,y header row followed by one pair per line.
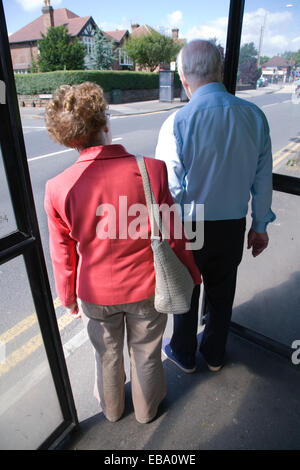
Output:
x,y
217,150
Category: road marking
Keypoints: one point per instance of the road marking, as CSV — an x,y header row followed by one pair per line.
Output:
x,y
269,105
30,346
62,151
146,113
50,155
287,151
275,104
34,127
18,390
16,330
23,325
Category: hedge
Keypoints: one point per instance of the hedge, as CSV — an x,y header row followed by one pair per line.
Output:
x,y
48,82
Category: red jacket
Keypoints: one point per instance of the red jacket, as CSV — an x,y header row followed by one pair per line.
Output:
x,y
104,271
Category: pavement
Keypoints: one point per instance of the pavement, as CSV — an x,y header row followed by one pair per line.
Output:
x,y
152,106
124,109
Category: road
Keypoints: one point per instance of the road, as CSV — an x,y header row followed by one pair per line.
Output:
x,y
19,331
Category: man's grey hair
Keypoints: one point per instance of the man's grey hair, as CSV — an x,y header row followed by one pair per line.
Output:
x,y
200,61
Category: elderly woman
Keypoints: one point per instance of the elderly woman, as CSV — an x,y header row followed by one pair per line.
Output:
x,y
101,273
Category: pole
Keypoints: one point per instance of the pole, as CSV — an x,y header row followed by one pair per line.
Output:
x,y
262,30
234,32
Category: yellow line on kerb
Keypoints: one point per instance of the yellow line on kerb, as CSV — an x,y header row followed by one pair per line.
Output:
x,y
23,325
285,152
30,346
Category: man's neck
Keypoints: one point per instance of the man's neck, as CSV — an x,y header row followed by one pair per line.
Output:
x,y
196,86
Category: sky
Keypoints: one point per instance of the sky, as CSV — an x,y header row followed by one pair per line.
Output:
x,y
276,21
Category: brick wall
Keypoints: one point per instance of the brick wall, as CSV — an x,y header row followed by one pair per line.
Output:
x,y
128,96
22,55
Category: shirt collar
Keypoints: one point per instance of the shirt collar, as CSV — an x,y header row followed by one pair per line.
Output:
x,y
103,152
212,87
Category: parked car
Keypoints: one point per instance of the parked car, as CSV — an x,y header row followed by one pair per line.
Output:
x,y
259,83
262,82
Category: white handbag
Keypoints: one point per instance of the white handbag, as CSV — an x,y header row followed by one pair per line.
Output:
x,y
173,282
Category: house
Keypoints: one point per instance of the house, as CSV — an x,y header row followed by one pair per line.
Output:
x,y
276,69
138,31
118,38
24,43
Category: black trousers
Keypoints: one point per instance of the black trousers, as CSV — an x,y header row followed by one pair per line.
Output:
x,y
218,262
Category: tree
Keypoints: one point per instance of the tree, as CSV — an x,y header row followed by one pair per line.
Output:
x,y
102,58
59,51
152,49
33,66
248,72
264,59
247,52
296,57
286,55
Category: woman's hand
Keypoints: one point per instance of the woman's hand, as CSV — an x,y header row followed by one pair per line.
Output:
x,y
74,310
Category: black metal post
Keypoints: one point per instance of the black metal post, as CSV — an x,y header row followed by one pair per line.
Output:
x,y
234,32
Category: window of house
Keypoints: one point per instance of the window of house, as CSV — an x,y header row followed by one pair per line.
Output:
x,y
90,43
124,59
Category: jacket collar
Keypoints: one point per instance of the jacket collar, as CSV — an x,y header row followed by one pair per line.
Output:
x,y
212,87
103,152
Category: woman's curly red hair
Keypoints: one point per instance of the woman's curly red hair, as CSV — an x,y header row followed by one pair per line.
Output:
x,y
75,114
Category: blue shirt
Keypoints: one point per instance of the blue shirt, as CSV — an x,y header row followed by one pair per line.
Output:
x,y
217,149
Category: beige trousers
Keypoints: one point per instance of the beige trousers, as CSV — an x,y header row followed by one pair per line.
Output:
x,y
105,325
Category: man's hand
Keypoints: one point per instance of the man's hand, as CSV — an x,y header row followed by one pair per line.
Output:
x,y
73,310
257,241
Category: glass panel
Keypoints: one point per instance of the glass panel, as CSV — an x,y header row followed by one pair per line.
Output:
x,y
208,22
271,41
29,407
268,296
7,218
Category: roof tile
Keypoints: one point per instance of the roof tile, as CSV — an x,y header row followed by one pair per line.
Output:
x,y
33,31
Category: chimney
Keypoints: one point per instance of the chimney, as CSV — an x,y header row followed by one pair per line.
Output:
x,y
134,26
48,19
175,32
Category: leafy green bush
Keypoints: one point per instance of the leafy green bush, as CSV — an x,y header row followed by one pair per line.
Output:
x,y
36,83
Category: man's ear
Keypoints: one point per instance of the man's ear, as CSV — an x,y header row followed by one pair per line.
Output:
x,y
185,85
183,80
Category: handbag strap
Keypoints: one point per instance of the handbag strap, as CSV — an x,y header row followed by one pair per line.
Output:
x,y
152,206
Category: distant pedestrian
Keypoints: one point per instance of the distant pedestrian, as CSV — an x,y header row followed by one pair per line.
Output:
x,y
218,152
101,272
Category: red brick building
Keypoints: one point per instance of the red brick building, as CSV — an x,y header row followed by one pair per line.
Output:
x,y
118,38
23,43
277,69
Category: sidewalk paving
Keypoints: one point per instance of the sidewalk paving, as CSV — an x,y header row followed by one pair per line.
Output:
x,y
124,109
148,107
